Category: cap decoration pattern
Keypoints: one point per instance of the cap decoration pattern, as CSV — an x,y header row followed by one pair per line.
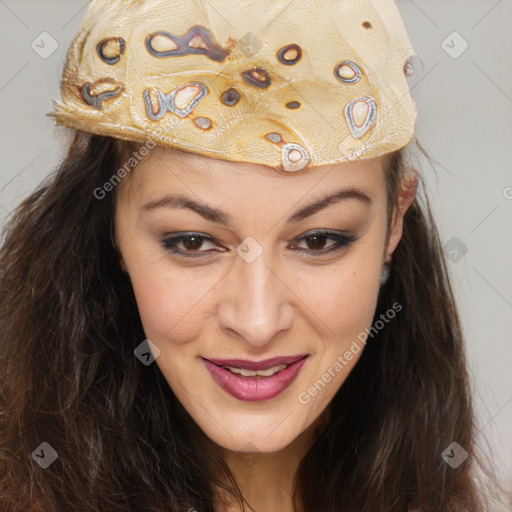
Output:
x,y
324,82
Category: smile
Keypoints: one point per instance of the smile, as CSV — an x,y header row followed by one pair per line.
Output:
x,y
253,381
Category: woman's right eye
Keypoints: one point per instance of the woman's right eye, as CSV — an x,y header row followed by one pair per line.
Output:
x,y
186,244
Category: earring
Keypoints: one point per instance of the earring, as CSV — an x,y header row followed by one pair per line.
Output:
x,y
384,276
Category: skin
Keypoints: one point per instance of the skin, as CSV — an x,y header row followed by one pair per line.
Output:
x,y
285,302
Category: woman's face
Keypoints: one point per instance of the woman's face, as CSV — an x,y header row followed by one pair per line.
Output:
x,y
234,264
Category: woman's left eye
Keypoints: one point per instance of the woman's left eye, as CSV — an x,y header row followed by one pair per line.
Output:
x,y
316,242
192,244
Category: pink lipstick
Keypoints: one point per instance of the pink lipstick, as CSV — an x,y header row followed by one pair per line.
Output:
x,y
255,381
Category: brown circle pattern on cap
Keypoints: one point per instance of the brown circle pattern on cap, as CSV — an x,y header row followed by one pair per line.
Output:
x,y
274,137
181,101
230,97
94,94
198,40
294,157
258,76
111,49
348,72
360,114
205,123
290,54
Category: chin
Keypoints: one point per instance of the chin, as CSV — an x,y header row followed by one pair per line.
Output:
x,y
257,441
250,433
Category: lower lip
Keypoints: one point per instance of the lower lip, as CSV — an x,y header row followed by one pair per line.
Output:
x,y
254,389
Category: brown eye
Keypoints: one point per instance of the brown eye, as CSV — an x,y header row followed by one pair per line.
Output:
x,y
316,243
191,244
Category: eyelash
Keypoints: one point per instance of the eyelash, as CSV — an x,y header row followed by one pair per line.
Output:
x,y
341,241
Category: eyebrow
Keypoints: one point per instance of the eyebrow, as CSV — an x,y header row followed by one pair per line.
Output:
x,y
218,216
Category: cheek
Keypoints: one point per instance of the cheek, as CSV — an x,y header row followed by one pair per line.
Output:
x,y
354,300
345,304
171,307
344,299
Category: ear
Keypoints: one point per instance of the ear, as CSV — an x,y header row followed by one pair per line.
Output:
x,y
406,195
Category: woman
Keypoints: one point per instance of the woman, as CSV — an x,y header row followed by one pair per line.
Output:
x,y
229,297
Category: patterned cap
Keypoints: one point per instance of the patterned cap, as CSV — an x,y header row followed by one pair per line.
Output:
x,y
288,84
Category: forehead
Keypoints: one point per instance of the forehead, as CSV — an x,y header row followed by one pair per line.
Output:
x,y
164,170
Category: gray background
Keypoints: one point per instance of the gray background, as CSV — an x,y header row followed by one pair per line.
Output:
x,y
465,124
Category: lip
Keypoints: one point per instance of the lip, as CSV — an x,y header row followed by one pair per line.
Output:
x,y
257,388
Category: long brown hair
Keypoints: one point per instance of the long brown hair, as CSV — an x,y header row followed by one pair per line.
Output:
x,y
68,328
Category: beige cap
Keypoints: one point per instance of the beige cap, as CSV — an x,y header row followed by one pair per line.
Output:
x,y
285,84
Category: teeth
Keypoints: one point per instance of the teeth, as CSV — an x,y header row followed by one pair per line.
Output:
x,y
271,371
254,373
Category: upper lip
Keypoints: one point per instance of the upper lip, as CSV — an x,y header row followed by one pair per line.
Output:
x,y
257,365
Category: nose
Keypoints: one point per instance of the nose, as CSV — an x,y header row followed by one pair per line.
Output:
x,y
255,303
